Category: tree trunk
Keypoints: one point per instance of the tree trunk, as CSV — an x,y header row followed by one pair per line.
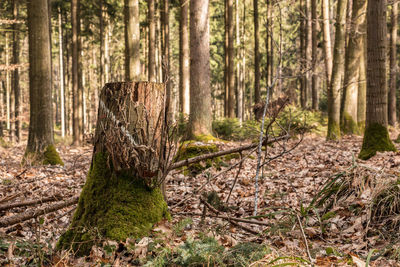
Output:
x,y
16,76
314,36
393,66
362,87
349,123
239,88
8,86
231,61
152,42
308,54
128,164
257,74
40,147
76,88
376,136
61,60
337,72
184,72
327,40
132,40
200,92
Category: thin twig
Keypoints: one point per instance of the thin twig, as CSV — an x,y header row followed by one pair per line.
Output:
x,y
236,178
305,239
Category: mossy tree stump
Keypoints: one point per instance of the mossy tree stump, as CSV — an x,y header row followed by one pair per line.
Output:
x,y
122,196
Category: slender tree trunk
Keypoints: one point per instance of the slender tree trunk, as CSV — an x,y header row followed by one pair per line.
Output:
x,y
8,87
315,78
303,57
376,136
308,54
362,87
337,72
239,88
152,42
40,148
200,92
16,76
393,66
327,40
171,96
76,88
184,72
102,61
107,63
132,40
257,74
231,61
226,58
352,66
61,60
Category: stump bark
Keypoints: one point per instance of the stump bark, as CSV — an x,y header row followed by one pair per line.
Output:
x,y
122,196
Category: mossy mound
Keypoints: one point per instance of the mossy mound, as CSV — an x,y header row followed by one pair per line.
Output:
x,y
50,156
376,138
192,148
112,206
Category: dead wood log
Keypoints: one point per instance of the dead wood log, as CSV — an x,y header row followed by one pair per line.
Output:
x,y
21,217
31,202
186,162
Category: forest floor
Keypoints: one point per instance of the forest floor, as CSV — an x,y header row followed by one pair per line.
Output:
x,y
338,229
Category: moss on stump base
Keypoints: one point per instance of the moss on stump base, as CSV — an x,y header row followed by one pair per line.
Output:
x,y
376,138
333,131
112,206
349,125
49,157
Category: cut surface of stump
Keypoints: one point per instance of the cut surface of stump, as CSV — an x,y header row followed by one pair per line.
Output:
x,y
122,196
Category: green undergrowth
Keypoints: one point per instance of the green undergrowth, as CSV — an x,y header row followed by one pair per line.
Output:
x,y
206,251
376,138
50,156
112,206
4,143
292,120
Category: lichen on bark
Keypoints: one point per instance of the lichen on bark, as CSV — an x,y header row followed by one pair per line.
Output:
x,y
376,138
112,206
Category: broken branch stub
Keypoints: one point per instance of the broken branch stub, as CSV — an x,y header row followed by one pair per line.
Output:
x,y
132,129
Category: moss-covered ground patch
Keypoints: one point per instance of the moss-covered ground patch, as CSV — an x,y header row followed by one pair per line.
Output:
x,y
192,148
112,206
376,138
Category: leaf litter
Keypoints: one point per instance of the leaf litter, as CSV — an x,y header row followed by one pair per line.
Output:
x,y
336,224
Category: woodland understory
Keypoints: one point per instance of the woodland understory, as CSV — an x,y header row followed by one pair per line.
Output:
x,y
339,231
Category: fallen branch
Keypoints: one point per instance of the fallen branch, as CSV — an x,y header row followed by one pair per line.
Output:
x,y
29,202
189,161
7,221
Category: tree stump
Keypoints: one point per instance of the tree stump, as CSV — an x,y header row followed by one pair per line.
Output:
x,y
122,196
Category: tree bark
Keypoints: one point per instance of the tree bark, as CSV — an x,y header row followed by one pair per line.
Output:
x,y
314,37
362,88
308,54
40,147
129,159
337,73
327,40
200,92
239,88
77,121
132,40
62,80
184,59
349,123
376,136
392,118
16,77
152,75
231,61
257,74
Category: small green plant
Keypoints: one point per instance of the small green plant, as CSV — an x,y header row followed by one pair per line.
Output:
x,y
179,228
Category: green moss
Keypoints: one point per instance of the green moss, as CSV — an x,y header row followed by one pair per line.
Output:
x,y
51,156
333,131
4,143
349,125
112,206
231,156
376,138
190,149
361,126
397,141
